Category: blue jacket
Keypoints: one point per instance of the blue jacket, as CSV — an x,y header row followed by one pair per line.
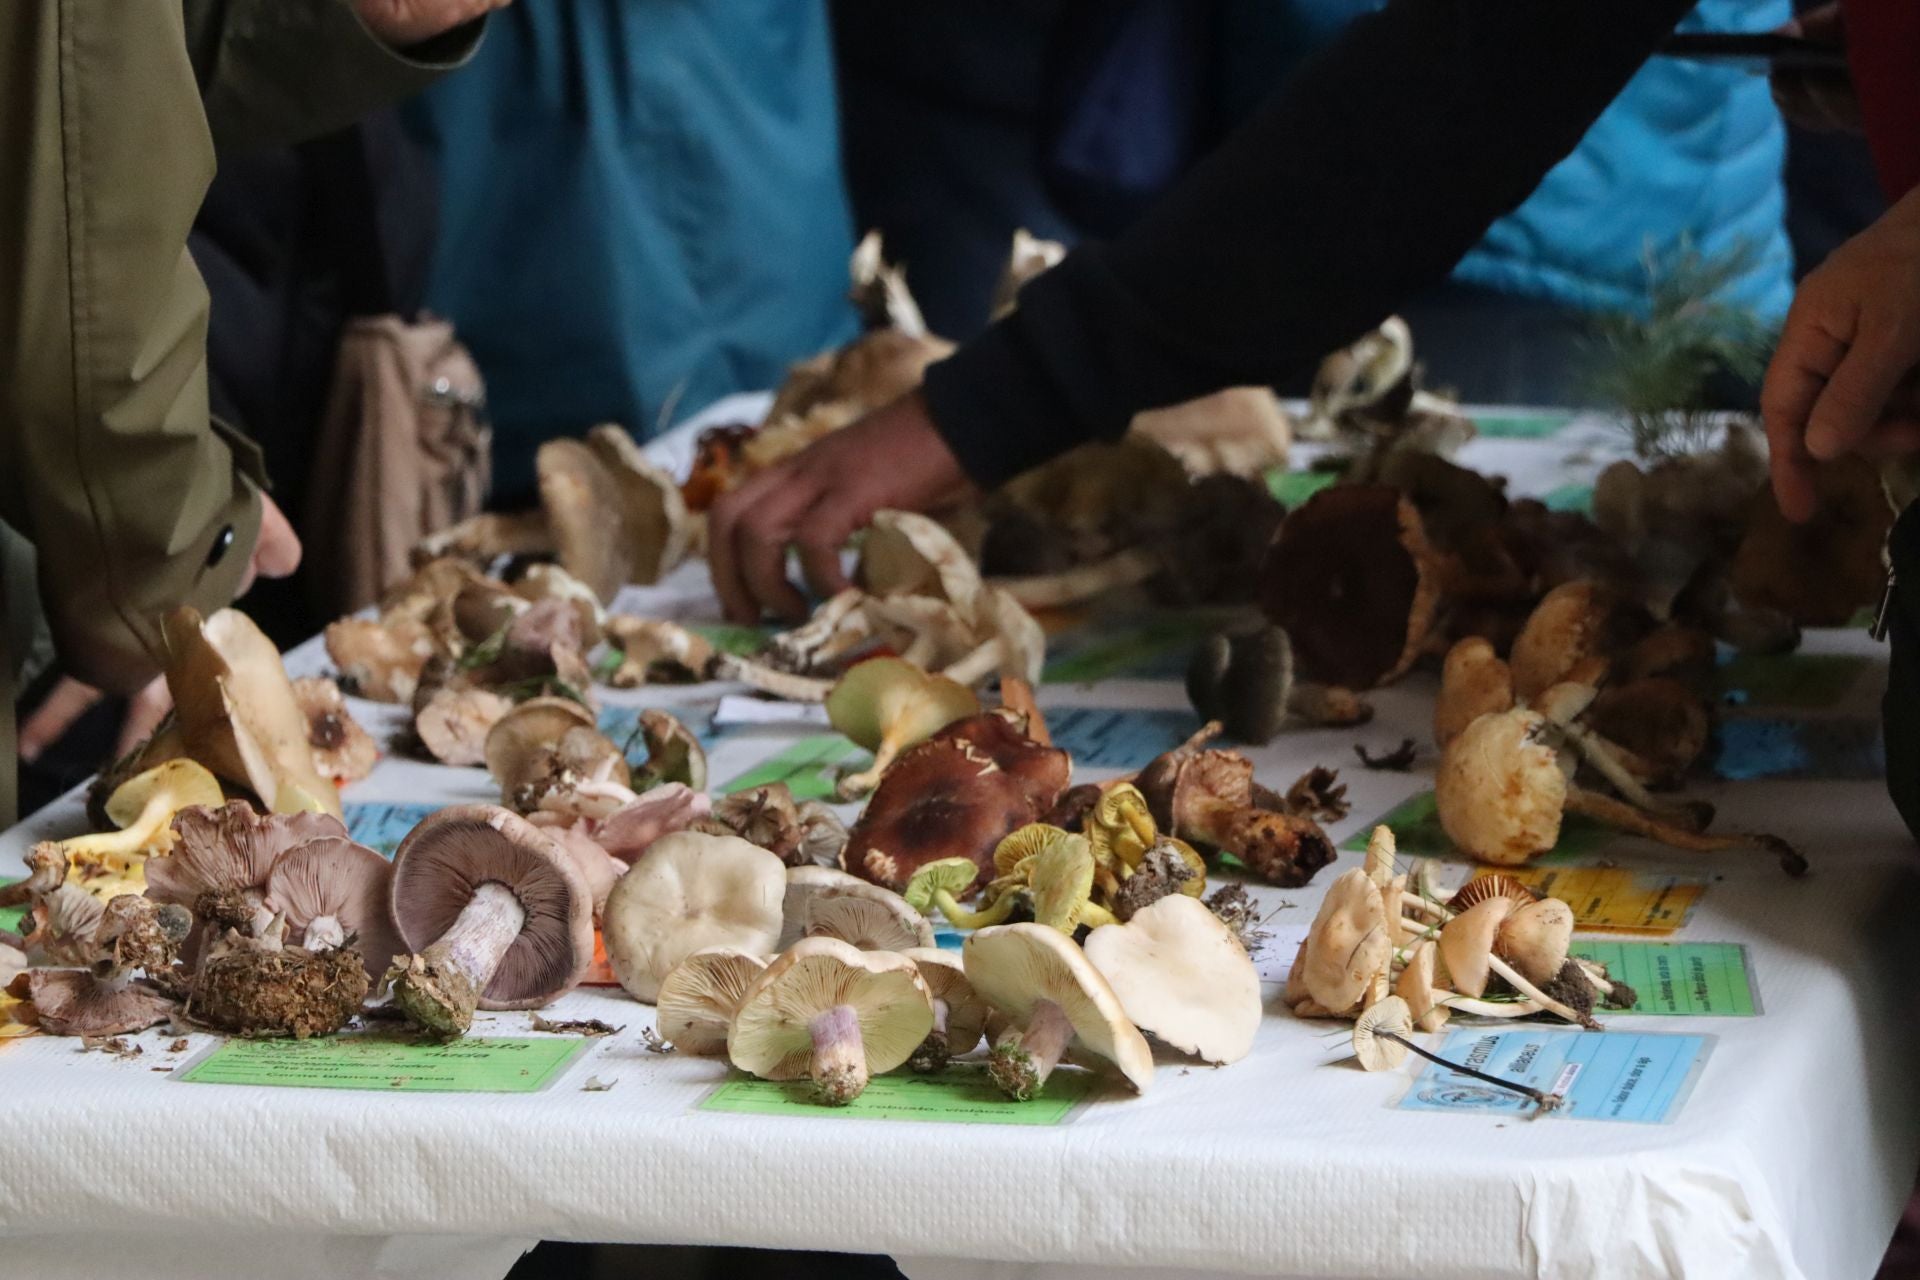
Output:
x,y
642,208
1688,150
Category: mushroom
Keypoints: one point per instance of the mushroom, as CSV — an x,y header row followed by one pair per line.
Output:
x,y
494,913
1347,947
1574,624
334,893
1426,1003
456,721
630,830
945,798
940,885
1009,641
674,753
231,850
1661,727
551,582
237,712
656,652
1824,571
804,835
652,520
1030,256
342,750
1054,1000
1244,679
1469,947
380,659
804,884
700,997
831,1013
908,554
1206,797
108,998
598,868
1183,977
867,916
887,705
686,893
142,808
1169,867
260,986
1379,1034
1474,681
1060,878
959,1014
1241,431
1355,584
547,744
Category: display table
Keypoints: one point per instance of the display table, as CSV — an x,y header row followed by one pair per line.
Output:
x,y
1791,1158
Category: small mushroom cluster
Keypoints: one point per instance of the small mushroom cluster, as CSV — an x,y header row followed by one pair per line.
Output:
x,y
1209,798
1495,950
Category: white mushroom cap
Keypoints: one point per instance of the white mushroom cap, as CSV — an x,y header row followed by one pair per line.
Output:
x,y
689,892
1347,944
1181,975
868,916
772,1037
699,999
946,979
1375,1052
1017,966
803,885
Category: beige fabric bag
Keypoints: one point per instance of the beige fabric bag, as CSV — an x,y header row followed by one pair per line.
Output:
x,y
402,451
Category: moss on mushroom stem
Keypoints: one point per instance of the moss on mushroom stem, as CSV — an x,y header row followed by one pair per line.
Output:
x,y
1020,1064
264,989
439,989
934,1052
839,1065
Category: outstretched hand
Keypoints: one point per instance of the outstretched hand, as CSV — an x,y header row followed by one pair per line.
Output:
x,y
816,500
409,22
1843,379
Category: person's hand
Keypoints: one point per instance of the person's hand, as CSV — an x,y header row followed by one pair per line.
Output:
x,y
1818,100
1843,377
276,554
409,22
816,500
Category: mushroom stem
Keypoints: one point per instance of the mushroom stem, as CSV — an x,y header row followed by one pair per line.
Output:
x,y
1596,976
1426,905
921,650
1546,1102
960,917
1519,983
1604,757
1625,817
439,989
324,933
1486,1008
1127,569
755,675
47,871
803,644
975,666
934,1052
855,785
1021,1064
839,1066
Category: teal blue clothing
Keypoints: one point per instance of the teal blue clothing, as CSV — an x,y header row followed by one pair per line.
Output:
x,y
1687,150
642,209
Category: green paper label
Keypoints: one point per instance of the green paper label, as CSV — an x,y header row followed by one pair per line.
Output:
x,y
1291,488
1809,680
742,642
1520,426
375,1062
961,1094
12,917
1700,979
1417,833
808,767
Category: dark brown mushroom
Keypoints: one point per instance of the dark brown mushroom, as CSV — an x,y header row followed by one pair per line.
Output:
x,y
945,798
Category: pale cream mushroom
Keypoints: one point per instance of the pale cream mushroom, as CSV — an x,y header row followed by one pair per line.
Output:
x,y
237,712
1379,1033
1013,645
1416,987
454,724
342,750
831,1013
869,917
803,885
1473,682
689,892
1534,939
959,1013
1183,977
699,998
653,515
906,553
1054,999
1347,946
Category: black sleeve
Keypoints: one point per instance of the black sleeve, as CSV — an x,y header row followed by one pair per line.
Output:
x,y
1900,708
1364,179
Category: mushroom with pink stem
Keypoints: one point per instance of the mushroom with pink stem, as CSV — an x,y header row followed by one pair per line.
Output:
x,y
828,1012
495,913
334,894
1054,1000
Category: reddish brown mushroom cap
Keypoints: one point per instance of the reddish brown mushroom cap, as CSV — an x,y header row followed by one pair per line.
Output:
x,y
452,853
1042,770
1353,580
333,877
941,799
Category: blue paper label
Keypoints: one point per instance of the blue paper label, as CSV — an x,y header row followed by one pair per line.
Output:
x,y
1603,1075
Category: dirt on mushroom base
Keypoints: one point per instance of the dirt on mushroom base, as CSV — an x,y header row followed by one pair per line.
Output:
x,y
289,992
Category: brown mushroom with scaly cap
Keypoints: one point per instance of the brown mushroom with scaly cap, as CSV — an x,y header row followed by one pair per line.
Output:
x,y
495,914
1206,797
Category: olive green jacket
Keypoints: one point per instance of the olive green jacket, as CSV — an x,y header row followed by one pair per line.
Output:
x,y
133,500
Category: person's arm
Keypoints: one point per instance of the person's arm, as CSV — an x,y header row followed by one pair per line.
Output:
x,y
279,71
1366,178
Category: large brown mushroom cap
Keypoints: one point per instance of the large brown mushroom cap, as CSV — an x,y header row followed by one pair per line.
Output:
x,y
1823,572
583,502
331,877
1355,584
1574,625
381,659
1043,771
452,853
942,799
